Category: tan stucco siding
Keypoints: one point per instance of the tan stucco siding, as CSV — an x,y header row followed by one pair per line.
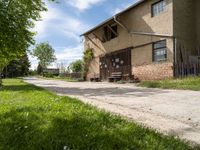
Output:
x,y
143,55
140,19
94,69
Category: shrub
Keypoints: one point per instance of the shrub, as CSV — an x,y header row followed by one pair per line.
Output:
x,y
48,75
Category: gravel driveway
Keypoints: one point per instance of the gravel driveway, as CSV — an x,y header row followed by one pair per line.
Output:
x,y
175,112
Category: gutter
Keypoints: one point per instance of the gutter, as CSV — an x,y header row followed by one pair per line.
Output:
x,y
174,56
152,34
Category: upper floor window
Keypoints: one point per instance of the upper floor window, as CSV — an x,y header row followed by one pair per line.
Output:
x,y
158,7
159,51
110,32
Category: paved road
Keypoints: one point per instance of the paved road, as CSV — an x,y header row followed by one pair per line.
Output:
x,y
174,112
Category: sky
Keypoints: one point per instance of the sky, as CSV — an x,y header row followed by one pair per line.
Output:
x,y
66,20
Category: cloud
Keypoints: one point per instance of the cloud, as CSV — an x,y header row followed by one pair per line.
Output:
x,y
55,20
58,24
64,55
83,4
34,62
70,53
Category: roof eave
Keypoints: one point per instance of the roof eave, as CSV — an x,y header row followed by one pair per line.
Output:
x,y
112,18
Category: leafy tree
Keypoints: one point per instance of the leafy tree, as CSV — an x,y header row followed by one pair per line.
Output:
x,y
17,67
77,66
16,21
44,53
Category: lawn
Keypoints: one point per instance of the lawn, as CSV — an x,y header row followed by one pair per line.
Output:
x,y
188,83
32,118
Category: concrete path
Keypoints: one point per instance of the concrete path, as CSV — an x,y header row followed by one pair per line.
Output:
x,y
173,112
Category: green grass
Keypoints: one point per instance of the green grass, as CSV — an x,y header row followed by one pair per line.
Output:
x,y
189,83
32,118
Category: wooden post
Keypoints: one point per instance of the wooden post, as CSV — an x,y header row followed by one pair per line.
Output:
x,y
195,69
1,70
182,69
112,30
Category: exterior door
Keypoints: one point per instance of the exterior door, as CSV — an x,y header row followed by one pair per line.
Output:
x,y
119,61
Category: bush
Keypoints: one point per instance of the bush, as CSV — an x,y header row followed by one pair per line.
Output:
x,y
48,75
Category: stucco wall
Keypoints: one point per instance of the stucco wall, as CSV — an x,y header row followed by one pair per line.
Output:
x,y
142,21
93,69
137,20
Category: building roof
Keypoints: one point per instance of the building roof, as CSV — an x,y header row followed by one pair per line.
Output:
x,y
112,18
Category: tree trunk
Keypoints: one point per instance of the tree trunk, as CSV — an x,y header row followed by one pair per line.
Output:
x,y
1,70
0,80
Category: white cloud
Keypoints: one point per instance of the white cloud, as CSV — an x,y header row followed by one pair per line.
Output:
x,y
64,55
83,4
54,20
70,53
34,62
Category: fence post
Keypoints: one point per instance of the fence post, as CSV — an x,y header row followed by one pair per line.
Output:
x,y
195,69
182,70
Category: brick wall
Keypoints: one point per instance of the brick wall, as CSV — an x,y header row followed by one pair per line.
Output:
x,y
153,71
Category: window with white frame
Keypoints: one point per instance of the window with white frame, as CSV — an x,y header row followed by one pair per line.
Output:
x,y
158,7
159,51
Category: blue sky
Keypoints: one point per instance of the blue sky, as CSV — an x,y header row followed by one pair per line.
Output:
x,y
62,24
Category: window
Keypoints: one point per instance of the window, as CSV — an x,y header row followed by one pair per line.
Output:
x,y
158,7
159,51
110,32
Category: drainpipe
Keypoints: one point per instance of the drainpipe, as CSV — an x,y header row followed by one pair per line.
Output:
x,y
121,24
174,55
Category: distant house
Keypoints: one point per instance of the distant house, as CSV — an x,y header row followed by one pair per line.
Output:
x,y
147,40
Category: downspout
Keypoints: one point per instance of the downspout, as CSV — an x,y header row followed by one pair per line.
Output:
x,y
174,55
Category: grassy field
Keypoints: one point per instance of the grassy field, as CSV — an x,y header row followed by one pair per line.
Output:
x,y
189,83
32,118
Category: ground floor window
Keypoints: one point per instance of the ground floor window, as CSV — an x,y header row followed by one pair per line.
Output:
x,y
160,51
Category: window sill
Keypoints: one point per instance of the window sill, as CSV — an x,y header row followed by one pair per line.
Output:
x,y
161,61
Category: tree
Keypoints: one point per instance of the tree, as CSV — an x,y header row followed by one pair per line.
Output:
x,y
16,21
17,67
77,66
44,53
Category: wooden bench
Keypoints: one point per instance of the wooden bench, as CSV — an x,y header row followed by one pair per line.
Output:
x,y
115,76
95,78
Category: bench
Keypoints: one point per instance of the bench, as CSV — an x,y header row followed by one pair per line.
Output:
x,y
115,76
95,78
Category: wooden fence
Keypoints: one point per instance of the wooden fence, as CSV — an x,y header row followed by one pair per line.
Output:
x,y
77,75
183,70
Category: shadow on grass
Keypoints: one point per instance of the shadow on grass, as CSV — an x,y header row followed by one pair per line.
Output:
x,y
26,129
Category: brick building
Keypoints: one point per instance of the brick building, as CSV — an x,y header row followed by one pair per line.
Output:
x,y
146,40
